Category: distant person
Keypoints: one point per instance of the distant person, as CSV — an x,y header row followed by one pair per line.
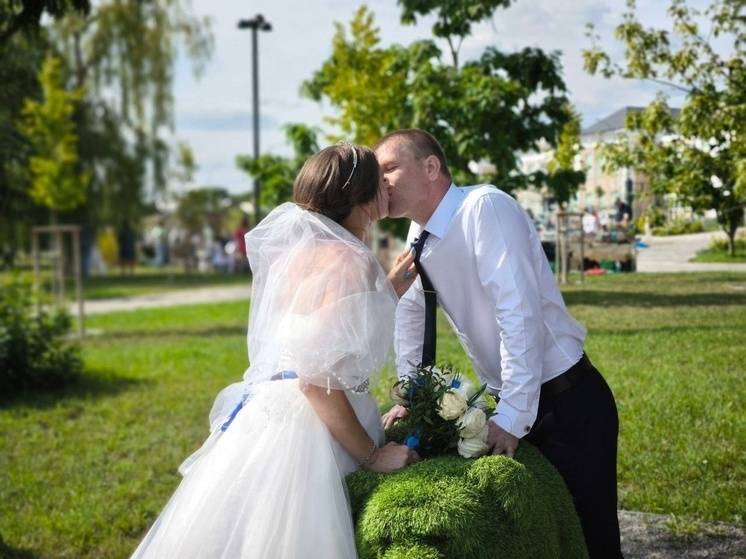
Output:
x,y
159,237
241,263
126,240
591,222
219,257
623,213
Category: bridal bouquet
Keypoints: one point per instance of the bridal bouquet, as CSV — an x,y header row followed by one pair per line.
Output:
x,y
445,412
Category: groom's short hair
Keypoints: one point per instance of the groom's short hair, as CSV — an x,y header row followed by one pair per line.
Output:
x,y
422,143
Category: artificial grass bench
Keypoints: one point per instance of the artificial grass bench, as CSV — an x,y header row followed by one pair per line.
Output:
x,y
453,508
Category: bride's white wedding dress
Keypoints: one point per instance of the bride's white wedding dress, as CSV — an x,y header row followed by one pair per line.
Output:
x,y
269,480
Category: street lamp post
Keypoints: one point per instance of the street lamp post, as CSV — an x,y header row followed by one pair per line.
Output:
x,y
256,24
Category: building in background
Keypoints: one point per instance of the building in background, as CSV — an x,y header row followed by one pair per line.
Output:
x,y
601,188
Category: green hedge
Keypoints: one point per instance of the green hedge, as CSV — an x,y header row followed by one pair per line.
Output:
x,y
453,508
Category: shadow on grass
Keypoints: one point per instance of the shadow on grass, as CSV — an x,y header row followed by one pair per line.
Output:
x,y
215,331
643,299
90,384
683,329
8,552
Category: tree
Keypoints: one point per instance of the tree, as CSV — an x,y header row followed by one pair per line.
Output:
x,y
57,181
489,109
700,155
203,206
16,15
277,173
563,179
21,58
128,48
351,79
454,18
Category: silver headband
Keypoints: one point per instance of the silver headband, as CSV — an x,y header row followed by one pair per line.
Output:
x,y
354,166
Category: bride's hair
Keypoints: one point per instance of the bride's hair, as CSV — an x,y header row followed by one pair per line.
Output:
x,y
336,179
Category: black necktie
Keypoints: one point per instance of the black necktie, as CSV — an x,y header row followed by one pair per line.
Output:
x,y
431,304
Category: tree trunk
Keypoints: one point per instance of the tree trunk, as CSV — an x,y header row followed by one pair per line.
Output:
x,y
731,232
733,219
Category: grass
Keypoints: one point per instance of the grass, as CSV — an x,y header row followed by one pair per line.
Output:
x,y
718,252
85,470
145,281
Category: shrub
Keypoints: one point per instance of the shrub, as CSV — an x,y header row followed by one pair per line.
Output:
x,y
452,508
33,350
721,245
679,227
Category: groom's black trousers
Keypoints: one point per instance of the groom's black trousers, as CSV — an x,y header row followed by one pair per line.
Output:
x,y
576,429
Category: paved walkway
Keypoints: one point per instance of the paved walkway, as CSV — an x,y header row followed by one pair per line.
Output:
x,y
167,299
672,254
665,254
645,536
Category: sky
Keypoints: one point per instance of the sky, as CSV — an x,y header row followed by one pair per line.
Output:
x,y
213,112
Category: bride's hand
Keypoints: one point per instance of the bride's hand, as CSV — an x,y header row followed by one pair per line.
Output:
x,y
392,457
403,272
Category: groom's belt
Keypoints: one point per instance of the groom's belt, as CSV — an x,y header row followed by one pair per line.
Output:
x,y
568,379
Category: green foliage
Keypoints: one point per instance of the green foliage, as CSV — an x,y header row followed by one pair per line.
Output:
x,y
56,179
718,251
450,507
128,48
454,19
563,178
367,110
16,15
33,353
679,227
277,174
488,110
700,155
21,58
203,206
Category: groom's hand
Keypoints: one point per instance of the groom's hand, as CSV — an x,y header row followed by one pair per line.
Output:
x,y
500,441
393,415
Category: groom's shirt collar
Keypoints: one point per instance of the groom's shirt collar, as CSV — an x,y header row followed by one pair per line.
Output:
x,y
441,219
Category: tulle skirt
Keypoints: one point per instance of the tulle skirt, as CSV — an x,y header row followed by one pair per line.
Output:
x,y
270,486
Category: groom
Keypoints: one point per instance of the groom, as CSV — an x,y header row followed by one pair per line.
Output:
x,y
479,257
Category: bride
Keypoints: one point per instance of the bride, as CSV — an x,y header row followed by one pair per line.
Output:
x,y
269,480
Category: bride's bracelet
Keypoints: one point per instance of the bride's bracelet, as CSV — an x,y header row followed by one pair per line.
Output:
x,y
371,456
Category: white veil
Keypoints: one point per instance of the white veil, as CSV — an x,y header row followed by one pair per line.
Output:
x,y
321,308
321,305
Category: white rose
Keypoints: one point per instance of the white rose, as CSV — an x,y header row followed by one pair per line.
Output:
x,y
472,423
466,388
474,446
399,395
452,405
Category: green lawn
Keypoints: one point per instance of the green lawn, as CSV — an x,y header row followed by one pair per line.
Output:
x,y
719,253
85,471
145,281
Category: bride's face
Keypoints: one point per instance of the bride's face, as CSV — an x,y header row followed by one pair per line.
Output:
x,y
379,206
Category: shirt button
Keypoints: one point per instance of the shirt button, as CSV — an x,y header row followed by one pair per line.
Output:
x,y
528,428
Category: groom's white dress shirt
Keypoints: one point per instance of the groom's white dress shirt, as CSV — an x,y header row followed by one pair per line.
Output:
x,y
494,284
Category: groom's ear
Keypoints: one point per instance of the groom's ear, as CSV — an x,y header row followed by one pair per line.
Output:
x,y
432,167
